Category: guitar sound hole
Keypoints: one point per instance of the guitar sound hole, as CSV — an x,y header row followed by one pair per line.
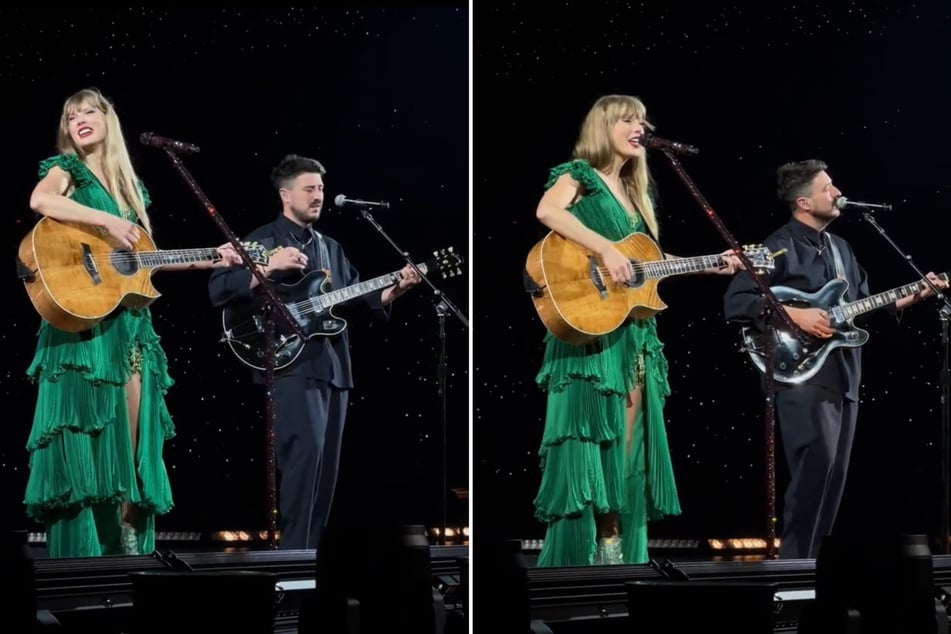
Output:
x,y
637,280
124,262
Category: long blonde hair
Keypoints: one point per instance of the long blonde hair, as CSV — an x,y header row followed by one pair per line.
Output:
x,y
120,176
594,145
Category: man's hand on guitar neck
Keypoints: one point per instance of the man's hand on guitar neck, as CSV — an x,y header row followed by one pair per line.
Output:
x,y
409,278
939,282
813,321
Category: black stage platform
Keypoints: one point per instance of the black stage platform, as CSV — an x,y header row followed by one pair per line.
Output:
x,y
694,591
97,594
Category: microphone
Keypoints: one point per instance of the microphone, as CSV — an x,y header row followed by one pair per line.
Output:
x,y
842,202
650,141
343,201
154,140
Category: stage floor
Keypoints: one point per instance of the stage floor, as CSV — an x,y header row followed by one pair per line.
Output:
x,y
97,593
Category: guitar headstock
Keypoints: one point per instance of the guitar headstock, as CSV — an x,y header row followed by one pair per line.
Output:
x,y
258,253
760,257
445,262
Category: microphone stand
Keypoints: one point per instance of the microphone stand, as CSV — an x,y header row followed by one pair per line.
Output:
x,y
772,310
943,315
274,306
443,307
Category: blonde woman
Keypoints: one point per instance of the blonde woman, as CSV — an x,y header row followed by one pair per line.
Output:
x,y
606,468
97,477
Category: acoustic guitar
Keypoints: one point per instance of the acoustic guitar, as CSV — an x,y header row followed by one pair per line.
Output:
x,y
75,278
576,299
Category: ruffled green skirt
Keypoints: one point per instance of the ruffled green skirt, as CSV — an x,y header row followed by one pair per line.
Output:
x,y
585,469
80,446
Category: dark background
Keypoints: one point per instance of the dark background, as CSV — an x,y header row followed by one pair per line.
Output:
x,y
380,97
863,86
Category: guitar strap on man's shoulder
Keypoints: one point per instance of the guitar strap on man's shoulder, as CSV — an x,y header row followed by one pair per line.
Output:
x,y
836,257
322,252
840,268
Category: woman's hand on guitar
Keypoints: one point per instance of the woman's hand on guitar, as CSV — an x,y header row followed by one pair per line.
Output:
x,y
813,321
229,257
731,263
120,230
618,265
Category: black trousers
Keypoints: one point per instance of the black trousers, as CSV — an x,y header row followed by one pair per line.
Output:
x,y
817,428
309,418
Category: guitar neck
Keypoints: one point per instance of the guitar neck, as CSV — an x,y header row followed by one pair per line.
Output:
x,y
883,299
360,289
151,259
680,266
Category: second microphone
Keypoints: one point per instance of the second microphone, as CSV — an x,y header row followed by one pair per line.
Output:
x,y
343,201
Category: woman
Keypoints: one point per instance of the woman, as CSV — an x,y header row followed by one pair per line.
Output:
x,y
606,468
97,478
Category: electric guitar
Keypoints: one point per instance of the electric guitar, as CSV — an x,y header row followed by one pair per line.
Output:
x,y
576,299
75,278
310,302
795,362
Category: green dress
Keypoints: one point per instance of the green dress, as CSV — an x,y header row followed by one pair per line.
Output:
x,y
584,469
81,462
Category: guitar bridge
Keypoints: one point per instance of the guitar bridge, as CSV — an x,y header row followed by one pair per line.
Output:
x,y
89,263
596,278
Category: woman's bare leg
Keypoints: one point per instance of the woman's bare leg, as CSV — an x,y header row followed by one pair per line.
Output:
x,y
633,406
133,396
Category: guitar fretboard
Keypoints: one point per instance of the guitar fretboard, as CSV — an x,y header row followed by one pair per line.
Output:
x,y
679,266
886,298
175,256
328,300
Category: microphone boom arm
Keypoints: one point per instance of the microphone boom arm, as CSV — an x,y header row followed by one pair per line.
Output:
x,y
275,305
773,310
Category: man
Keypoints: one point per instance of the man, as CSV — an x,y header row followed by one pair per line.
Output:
x,y
817,416
310,394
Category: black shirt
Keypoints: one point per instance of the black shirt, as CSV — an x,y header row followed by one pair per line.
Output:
x,y
325,358
807,265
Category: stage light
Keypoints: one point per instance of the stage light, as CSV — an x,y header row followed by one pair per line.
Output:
x,y
160,536
875,584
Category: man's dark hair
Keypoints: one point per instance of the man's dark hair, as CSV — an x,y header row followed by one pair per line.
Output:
x,y
793,180
292,166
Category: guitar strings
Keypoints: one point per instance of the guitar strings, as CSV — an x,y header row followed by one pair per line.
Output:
x,y
645,267
314,304
125,257
130,257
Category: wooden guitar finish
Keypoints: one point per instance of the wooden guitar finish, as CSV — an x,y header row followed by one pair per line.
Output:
x,y
576,299
75,278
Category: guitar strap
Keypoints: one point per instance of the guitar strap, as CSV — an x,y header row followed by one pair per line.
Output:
x,y
839,267
322,253
837,258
